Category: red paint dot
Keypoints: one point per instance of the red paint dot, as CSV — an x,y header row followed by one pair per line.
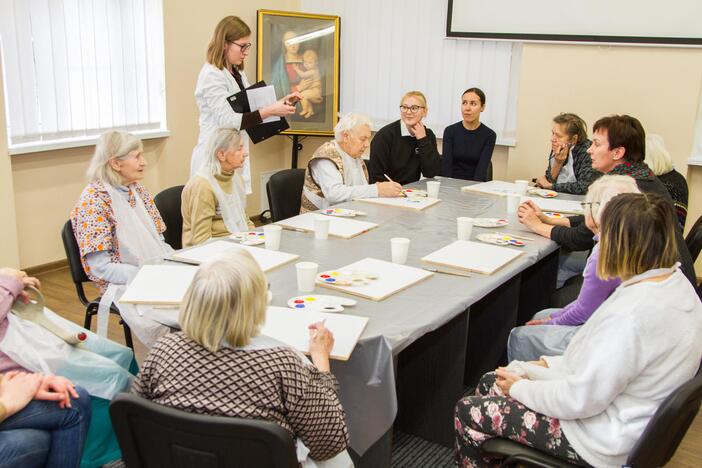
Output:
x,y
324,276
299,301
82,336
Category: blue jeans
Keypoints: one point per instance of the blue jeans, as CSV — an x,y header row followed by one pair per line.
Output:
x,y
42,434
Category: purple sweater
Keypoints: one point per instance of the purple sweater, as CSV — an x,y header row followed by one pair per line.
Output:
x,y
592,294
9,290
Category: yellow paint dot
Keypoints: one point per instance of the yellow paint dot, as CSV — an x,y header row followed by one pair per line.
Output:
x,y
310,299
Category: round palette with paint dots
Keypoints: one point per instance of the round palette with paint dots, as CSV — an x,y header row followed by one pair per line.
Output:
x,y
415,192
249,238
341,212
500,239
346,278
545,193
490,222
553,215
320,303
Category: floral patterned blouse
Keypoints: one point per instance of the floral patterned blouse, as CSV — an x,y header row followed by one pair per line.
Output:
x,y
94,225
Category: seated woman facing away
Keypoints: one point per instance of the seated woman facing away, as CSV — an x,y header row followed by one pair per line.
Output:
x,y
550,331
213,201
405,150
659,160
337,173
257,377
592,403
117,226
43,418
468,144
569,165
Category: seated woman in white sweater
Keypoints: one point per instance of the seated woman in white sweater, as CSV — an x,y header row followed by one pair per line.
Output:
x,y
591,404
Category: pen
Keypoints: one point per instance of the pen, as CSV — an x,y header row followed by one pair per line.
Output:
x,y
287,228
389,179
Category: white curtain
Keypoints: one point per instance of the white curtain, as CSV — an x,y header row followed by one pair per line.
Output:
x,y
390,47
74,68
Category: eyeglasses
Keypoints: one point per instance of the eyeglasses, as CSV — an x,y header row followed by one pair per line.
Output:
x,y
410,109
591,204
243,47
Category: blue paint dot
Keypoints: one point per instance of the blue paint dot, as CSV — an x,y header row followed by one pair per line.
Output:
x,y
299,306
330,280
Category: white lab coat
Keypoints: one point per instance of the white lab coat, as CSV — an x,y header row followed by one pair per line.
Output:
x,y
213,88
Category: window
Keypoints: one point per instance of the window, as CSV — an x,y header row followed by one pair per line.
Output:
x,y
75,68
395,46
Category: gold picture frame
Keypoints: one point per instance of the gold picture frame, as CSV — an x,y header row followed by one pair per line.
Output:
x,y
300,52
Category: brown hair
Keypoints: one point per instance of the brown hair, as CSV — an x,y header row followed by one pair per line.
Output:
x,y
637,235
229,29
573,125
624,131
478,92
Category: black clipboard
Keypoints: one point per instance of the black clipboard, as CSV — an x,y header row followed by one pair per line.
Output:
x,y
239,103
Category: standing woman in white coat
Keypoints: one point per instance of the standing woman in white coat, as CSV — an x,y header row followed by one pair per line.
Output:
x,y
221,77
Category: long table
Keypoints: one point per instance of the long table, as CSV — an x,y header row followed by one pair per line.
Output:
x,y
423,345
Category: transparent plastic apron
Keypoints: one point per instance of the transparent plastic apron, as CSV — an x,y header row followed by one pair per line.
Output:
x,y
231,205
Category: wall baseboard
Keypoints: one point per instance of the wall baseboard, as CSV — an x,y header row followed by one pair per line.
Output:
x,y
47,267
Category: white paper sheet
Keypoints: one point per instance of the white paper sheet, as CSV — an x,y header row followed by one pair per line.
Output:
x,y
493,187
473,256
559,206
290,327
159,284
260,98
413,203
339,227
266,259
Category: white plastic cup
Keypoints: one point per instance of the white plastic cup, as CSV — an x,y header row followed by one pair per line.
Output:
x,y
321,227
522,186
433,188
513,200
465,228
306,276
272,234
399,247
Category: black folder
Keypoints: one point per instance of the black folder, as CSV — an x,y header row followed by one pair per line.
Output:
x,y
240,104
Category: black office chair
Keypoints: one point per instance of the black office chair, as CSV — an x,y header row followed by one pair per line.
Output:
x,y
168,203
153,435
79,277
284,190
655,447
694,239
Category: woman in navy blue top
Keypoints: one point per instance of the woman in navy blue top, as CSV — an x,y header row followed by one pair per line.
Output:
x,y
468,144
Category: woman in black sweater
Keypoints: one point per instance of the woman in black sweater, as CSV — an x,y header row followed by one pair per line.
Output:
x,y
405,149
659,160
468,144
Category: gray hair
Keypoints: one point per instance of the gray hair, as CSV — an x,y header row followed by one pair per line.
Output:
x,y
349,122
111,145
221,140
657,156
604,189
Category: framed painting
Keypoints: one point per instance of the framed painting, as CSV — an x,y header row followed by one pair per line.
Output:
x,y
300,52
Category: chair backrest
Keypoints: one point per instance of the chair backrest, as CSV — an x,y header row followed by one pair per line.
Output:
x,y
668,426
152,435
284,190
168,203
694,239
74,264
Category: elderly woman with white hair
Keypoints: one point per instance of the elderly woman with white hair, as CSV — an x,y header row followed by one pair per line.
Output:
x,y
214,200
337,173
257,377
659,160
117,225
549,331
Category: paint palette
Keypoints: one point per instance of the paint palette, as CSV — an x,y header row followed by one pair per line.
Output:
x,y
320,303
490,222
553,215
414,193
545,193
249,238
500,239
346,278
342,212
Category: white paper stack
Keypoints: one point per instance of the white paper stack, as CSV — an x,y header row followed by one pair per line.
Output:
x,y
266,259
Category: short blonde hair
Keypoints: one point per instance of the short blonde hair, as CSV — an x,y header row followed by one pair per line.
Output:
x,y
349,122
226,302
221,139
111,145
229,29
657,156
604,189
637,235
418,95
